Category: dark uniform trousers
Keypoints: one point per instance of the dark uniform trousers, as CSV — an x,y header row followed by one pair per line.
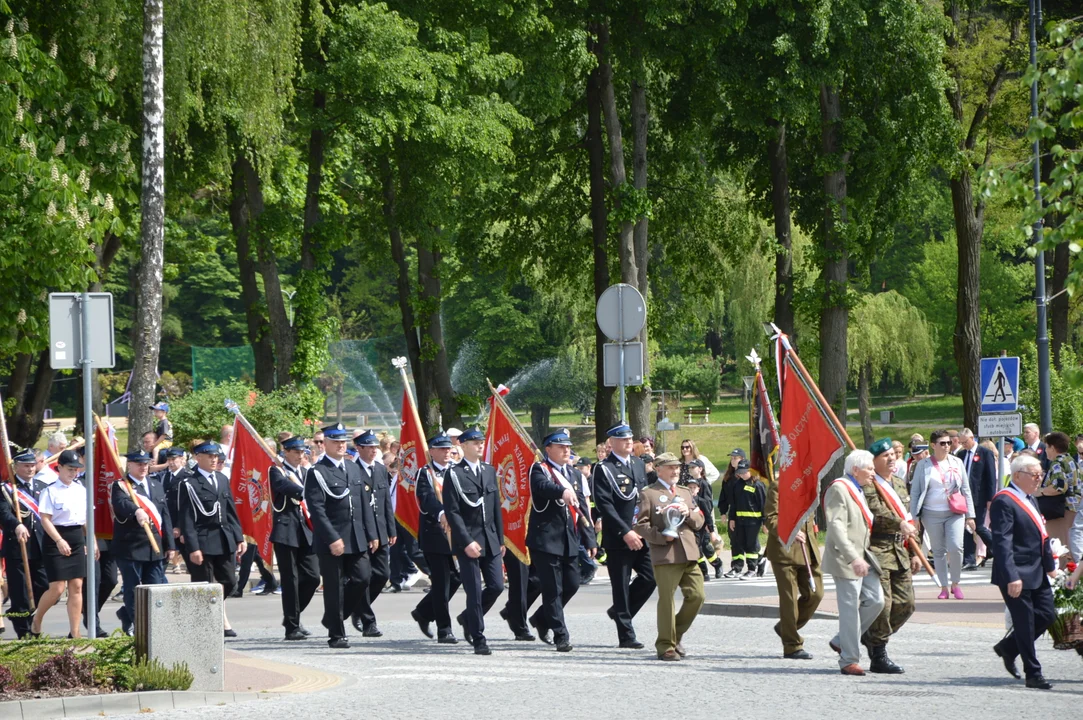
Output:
x,y
523,589
406,557
445,580
1032,614
221,569
19,610
629,595
251,555
300,574
473,572
380,562
106,572
345,579
558,576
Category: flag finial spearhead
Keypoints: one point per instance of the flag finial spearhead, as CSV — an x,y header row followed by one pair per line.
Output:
x,y
232,407
399,363
754,358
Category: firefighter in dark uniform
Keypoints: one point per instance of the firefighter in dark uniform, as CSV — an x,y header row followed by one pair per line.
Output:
x,y
378,491
175,472
209,524
523,589
616,483
472,509
291,535
433,539
556,528
344,529
746,517
31,531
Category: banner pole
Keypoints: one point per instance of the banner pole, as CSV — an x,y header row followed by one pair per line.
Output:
x,y
824,405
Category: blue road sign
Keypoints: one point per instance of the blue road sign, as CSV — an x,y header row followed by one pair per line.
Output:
x,y
999,384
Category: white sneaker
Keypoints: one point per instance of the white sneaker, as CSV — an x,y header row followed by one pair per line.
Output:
x,y
411,579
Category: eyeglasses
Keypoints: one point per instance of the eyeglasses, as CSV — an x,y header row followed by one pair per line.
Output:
x,y
944,443
1031,473
317,442
686,447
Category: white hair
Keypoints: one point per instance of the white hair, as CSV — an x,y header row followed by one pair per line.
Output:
x,y
858,459
1032,427
1025,462
58,439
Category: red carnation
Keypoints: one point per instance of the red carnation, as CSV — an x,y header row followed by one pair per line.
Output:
x,y
1071,567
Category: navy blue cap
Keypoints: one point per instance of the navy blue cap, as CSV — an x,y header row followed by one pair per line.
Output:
x,y
175,451
737,452
208,448
335,432
26,456
69,458
164,407
582,462
472,434
139,456
620,431
743,465
367,439
293,443
699,463
440,441
560,437
352,452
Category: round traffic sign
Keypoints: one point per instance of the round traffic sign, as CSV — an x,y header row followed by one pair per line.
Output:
x,y
621,312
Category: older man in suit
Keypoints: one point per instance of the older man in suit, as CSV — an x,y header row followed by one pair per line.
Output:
x,y
847,557
1024,562
981,467
674,553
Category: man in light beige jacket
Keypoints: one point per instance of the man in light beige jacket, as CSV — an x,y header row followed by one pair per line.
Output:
x,y
674,557
846,556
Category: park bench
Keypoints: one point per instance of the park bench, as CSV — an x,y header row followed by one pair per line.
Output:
x,y
588,418
704,414
50,426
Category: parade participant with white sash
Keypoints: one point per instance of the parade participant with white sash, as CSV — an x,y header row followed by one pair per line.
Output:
x,y
847,558
1024,562
20,521
139,501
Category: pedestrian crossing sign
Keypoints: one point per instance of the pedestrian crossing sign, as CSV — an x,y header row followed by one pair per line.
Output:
x,y
999,384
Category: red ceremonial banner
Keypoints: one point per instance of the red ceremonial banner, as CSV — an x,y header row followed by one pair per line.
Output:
x,y
512,456
6,470
810,444
762,432
250,481
107,472
413,454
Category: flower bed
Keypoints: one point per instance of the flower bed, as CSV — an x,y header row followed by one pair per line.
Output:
x,y
1067,629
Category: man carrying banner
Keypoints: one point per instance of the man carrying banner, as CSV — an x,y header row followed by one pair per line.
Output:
x,y
890,529
292,538
434,544
617,481
798,577
25,492
377,487
209,525
472,509
345,532
141,516
553,536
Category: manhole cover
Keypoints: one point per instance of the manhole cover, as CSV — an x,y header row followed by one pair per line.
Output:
x,y
903,693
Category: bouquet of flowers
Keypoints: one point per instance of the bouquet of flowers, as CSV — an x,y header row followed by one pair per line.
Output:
x,y
1067,629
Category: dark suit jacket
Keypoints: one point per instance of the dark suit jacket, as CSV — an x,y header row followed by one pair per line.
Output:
x,y
8,522
1020,552
983,477
431,537
483,524
379,485
349,519
617,514
551,528
1043,455
219,534
171,484
129,538
289,526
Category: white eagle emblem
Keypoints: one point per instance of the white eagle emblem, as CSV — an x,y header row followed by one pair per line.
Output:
x,y
786,455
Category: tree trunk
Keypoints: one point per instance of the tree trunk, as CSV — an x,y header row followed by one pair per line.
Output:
x,y
834,315
780,208
864,402
148,315
240,217
639,399
428,277
338,401
539,422
25,422
604,417
967,338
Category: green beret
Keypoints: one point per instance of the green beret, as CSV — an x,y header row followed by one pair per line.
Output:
x,y
880,447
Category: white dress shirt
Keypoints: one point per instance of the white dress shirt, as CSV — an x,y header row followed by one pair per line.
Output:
x,y
66,504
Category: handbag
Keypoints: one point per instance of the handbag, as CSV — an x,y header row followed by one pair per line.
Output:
x,y
1052,507
956,499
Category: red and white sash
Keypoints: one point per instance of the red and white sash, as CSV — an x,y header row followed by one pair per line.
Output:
x,y
558,477
147,506
859,498
1021,500
894,499
25,499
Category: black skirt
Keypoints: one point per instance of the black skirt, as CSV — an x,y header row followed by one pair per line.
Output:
x,y
59,567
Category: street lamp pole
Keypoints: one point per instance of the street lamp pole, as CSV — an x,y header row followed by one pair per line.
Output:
x,y
1045,401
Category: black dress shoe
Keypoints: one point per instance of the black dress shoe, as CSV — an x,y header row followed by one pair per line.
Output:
x,y
447,639
564,645
798,655
631,644
355,620
426,630
98,632
543,633
482,648
524,637
338,643
1037,682
295,635
236,594
778,629
267,588
229,632
125,623
611,613
466,631
371,631
1009,662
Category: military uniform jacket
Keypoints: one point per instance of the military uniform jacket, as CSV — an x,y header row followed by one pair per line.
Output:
x,y
9,521
616,488
776,552
885,542
431,537
378,486
287,490
551,529
171,483
129,538
347,516
651,522
472,508
205,528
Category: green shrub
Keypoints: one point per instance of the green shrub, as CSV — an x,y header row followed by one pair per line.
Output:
x,y
153,675
202,413
112,657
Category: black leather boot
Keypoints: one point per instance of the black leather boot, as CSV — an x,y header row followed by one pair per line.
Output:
x,y
881,663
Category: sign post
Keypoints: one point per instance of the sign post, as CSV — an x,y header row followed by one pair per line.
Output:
x,y
999,402
81,335
621,314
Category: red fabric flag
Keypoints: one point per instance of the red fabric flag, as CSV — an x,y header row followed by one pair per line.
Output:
x,y
762,432
107,471
413,454
810,444
512,456
250,480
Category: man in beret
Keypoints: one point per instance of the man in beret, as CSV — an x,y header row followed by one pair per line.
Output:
x,y
345,532
618,480
209,525
557,526
291,535
377,486
25,491
435,544
889,501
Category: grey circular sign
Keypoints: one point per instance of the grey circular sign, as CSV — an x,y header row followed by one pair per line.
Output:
x,y
621,312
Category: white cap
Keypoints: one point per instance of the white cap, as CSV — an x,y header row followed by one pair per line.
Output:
x,y
453,432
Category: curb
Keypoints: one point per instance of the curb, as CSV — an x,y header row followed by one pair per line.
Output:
x,y
754,611
119,704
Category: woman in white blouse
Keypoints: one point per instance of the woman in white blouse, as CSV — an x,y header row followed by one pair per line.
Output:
x,y
940,502
63,517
